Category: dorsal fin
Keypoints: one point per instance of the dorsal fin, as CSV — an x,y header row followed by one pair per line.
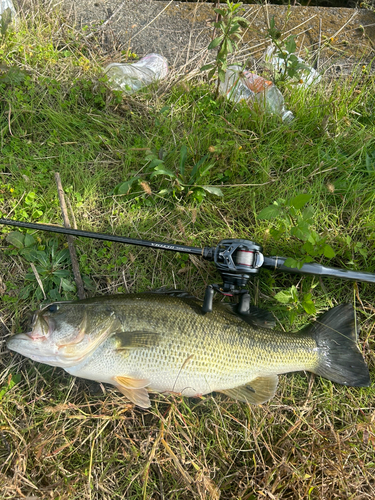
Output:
x,y
182,294
256,317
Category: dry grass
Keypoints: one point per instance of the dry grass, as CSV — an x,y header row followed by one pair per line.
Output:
x,y
64,438
68,440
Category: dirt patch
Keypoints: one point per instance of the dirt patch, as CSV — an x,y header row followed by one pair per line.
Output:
x,y
181,30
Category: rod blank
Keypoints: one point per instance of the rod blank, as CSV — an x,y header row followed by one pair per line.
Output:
x,y
277,263
106,237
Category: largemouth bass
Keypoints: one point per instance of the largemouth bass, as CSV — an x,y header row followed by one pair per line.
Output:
x,y
162,343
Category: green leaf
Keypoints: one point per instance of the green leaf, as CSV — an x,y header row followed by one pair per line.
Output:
x,y
222,12
328,252
183,155
13,380
61,257
162,192
299,200
164,109
67,286
284,297
36,214
294,293
215,42
270,212
313,237
211,73
213,190
302,231
195,169
309,248
124,187
308,213
29,240
16,239
308,304
26,291
204,171
207,66
234,28
290,45
292,315
277,233
163,171
199,195
244,23
54,295
290,262
221,75
219,25
61,273
155,163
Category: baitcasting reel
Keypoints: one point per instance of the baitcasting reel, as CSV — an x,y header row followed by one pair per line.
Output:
x,y
236,260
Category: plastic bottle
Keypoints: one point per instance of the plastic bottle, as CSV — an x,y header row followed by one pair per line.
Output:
x,y
240,85
309,76
7,4
131,77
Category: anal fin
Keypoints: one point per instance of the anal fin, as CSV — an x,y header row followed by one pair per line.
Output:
x,y
134,389
256,392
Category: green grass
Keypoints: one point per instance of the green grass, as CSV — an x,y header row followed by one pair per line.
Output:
x,y
67,438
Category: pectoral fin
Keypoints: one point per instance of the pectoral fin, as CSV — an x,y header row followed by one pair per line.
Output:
x,y
136,339
256,392
134,389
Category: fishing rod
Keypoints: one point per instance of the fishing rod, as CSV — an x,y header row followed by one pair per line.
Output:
x,y
236,260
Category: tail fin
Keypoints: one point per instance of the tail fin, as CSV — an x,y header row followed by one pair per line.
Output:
x,y
340,358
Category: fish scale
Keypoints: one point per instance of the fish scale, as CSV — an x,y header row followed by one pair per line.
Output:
x,y
162,343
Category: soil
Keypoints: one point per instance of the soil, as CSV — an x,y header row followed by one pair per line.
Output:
x,y
341,38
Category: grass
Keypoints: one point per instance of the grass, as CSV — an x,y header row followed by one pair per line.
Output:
x,y
66,438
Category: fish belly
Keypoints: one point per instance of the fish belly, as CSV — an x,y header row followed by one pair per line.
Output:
x,y
183,373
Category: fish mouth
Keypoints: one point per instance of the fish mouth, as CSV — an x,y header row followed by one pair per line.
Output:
x,y
34,344
42,328
22,336
24,344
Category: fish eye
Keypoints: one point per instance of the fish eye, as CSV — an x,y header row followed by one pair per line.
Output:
x,y
53,308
